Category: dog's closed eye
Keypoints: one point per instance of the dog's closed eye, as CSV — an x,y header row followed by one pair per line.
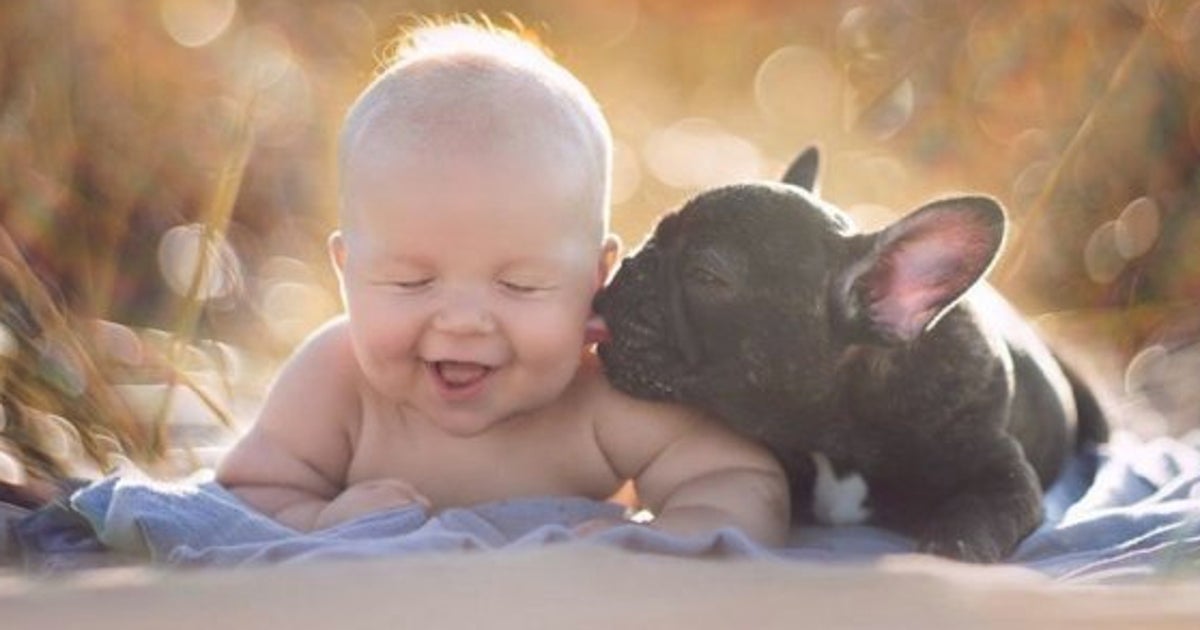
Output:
x,y
704,276
714,274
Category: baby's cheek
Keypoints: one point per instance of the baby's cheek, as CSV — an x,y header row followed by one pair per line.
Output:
x,y
384,335
551,336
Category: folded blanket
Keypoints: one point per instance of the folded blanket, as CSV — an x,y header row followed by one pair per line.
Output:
x,y
1127,511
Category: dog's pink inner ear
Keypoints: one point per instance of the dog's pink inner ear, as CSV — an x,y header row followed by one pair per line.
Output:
x,y
924,264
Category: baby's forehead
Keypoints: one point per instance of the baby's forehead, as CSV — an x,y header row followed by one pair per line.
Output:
x,y
512,141
445,113
467,99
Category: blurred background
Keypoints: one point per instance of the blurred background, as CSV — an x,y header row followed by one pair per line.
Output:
x,y
169,165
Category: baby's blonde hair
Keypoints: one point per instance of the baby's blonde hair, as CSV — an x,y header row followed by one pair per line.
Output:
x,y
464,61
431,36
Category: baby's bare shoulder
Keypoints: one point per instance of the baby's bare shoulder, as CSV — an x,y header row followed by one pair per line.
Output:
x,y
323,376
331,346
633,431
303,434
610,406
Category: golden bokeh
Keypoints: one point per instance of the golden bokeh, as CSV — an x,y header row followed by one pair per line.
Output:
x,y
169,165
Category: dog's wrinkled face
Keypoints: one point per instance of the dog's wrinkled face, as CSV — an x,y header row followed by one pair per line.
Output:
x,y
745,301
708,309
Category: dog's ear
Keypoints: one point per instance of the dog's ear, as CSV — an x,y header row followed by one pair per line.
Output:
x,y
917,268
803,170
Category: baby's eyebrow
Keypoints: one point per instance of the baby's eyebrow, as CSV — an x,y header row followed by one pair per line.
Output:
x,y
532,265
402,254
398,262
548,261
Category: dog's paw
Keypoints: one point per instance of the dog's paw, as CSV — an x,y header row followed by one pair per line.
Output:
x,y
956,546
982,526
966,530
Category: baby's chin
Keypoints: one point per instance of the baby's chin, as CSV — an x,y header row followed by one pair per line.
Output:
x,y
462,424
496,396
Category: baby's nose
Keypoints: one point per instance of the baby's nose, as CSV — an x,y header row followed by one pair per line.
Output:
x,y
464,317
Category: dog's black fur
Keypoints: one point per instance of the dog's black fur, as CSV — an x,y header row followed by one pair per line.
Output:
x,y
855,353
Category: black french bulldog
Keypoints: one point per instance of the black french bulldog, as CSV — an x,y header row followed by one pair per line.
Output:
x,y
889,393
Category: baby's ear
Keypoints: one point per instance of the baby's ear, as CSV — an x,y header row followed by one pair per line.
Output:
x,y
337,251
609,253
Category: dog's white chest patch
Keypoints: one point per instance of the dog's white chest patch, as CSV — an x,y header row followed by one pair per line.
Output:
x,y
838,501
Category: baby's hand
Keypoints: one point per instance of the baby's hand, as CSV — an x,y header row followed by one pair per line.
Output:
x,y
366,497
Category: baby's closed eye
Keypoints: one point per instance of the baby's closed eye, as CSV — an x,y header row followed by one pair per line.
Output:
x,y
526,286
411,284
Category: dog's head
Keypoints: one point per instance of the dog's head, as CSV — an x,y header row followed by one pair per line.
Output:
x,y
753,292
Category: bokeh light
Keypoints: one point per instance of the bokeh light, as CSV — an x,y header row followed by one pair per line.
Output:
x,y
884,117
294,309
11,470
870,39
195,23
1082,118
8,343
59,437
262,57
1147,367
195,262
1137,227
697,152
1104,262
1165,377
792,88
626,172
292,302
1031,181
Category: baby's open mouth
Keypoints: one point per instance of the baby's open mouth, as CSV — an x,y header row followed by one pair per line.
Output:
x,y
460,374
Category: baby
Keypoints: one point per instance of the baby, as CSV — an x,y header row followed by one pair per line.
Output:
x,y
473,236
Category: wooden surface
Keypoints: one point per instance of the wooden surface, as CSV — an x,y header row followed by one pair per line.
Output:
x,y
579,587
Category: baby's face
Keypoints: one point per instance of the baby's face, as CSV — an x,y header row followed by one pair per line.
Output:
x,y
468,277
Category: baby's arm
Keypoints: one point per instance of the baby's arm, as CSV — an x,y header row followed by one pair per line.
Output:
x,y
693,474
292,463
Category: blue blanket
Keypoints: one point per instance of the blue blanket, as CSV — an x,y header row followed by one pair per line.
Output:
x,y
1129,510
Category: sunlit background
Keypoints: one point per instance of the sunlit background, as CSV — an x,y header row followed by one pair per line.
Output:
x,y
168,165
